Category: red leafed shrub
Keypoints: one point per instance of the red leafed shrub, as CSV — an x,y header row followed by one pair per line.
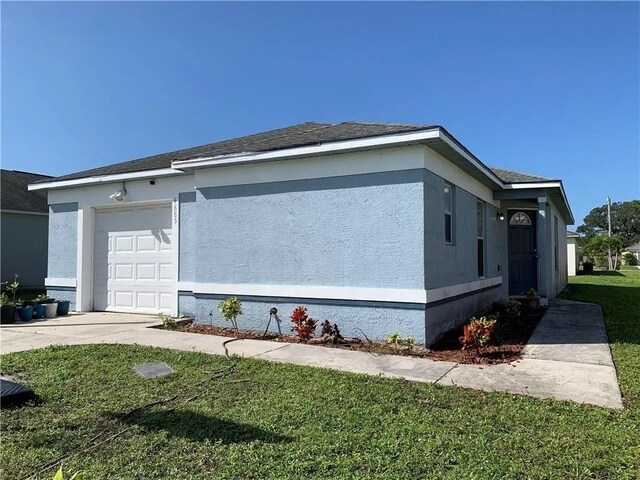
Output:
x,y
478,332
302,324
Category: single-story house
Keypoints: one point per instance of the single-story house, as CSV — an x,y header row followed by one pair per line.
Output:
x,y
24,217
634,250
379,227
572,253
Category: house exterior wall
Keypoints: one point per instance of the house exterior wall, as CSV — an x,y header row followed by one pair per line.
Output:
x,y
357,230
457,263
63,251
63,240
350,231
24,248
572,256
559,266
358,238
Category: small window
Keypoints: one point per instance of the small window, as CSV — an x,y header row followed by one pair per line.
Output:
x,y
448,213
520,218
480,226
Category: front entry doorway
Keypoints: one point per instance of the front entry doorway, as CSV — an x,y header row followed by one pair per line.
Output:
x,y
523,252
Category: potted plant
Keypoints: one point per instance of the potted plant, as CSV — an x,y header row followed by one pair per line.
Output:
x,y
25,311
38,310
533,301
50,306
63,307
10,314
8,309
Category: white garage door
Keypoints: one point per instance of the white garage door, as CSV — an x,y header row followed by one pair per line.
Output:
x,y
133,260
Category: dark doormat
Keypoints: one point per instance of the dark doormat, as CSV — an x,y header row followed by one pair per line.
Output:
x,y
13,394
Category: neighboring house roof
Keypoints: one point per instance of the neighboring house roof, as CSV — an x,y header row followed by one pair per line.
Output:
x,y
310,133
510,176
16,197
572,234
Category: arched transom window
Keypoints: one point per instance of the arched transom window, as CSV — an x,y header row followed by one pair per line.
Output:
x,y
520,218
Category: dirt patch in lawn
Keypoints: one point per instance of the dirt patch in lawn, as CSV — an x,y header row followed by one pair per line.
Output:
x,y
510,340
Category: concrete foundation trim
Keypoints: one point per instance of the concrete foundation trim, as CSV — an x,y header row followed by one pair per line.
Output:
x,y
390,295
438,294
60,282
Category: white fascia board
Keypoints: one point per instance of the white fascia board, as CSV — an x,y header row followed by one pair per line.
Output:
x,y
524,186
314,150
118,177
483,168
558,185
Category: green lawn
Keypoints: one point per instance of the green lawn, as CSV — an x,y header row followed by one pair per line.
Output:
x,y
281,421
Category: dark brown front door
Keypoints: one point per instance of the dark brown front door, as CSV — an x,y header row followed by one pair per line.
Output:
x,y
523,255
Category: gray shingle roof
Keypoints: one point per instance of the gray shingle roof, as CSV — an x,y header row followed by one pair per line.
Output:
x,y
310,133
509,176
304,134
16,196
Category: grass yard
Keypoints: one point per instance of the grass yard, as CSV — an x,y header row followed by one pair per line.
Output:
x,y
282,421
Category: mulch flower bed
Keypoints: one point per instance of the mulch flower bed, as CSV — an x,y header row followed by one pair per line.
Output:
x,y
507,347
510,340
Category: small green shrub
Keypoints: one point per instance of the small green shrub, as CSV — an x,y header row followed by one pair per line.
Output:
x,y
399,342
5,301
513,310
43,297
629,259
168,322
231,309
531,294
76,476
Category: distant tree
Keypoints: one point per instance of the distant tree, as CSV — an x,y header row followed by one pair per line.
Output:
x,y
625,222
597,249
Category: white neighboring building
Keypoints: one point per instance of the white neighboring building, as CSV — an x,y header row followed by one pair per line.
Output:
x,y
634,250
572,253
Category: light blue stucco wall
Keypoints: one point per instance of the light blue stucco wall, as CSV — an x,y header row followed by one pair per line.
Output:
x,y
359,230
64,293
457,263
63,240
375,319
187,241
24,248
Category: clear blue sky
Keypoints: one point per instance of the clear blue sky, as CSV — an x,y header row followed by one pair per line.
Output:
x,y
547,88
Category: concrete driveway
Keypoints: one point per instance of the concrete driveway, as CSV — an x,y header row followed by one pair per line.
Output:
x,y
567,358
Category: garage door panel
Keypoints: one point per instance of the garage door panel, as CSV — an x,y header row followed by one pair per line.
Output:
x,y
123,271
146,271
133,260
147,300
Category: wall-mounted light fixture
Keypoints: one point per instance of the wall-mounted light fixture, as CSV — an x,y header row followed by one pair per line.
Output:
x,y
118,195
501,216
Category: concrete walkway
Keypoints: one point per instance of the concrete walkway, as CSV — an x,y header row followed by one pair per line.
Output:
x,y
567,357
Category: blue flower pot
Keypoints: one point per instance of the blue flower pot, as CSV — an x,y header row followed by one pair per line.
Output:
x,y
38,310
63,307
25,313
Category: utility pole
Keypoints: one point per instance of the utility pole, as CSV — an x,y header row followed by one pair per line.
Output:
x,y
609,220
